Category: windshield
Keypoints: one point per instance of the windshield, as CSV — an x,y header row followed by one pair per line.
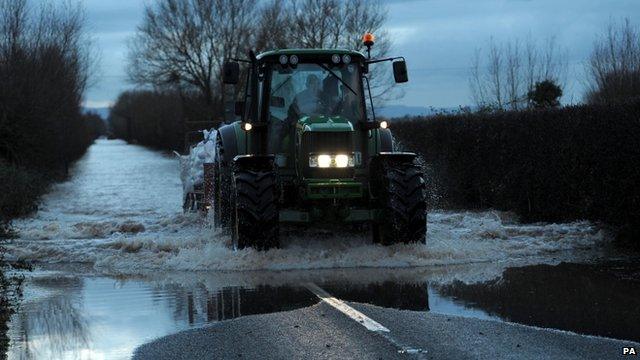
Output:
x,y
315,89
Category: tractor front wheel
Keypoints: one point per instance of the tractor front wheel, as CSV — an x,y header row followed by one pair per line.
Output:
x,y
400,192
254,209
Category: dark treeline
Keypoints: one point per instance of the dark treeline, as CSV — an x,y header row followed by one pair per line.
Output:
x,y
578,162
158,119
44,68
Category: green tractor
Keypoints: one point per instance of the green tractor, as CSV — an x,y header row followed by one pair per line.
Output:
x,y
308,150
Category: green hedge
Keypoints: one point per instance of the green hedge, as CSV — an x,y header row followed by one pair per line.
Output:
x,y
579,162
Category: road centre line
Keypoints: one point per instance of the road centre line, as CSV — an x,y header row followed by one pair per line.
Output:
x,y
339,305
363,320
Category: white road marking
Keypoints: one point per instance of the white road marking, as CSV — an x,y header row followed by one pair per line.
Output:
x,y
339,305
363,320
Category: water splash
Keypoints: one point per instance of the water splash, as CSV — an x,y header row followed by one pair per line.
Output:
x,y
121,213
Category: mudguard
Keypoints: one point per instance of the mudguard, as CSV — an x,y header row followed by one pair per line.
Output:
x,y
394,157
386,140
229,138
254,162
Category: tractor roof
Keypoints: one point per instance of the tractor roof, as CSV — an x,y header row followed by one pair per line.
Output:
x,y
309,53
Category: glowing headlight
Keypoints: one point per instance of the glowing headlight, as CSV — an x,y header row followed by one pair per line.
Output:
x,y
293,59
335,58
346,58
324,161
342,161
329,161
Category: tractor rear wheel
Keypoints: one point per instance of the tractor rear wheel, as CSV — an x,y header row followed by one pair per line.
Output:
x,y
401,196
255,211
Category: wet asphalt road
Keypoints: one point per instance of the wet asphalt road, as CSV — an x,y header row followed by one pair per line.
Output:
x,y
322,332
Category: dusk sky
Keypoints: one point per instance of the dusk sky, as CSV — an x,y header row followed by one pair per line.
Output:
x,y
438,39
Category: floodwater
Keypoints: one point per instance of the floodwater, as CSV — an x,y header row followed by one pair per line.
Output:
x,y
72,312
118,264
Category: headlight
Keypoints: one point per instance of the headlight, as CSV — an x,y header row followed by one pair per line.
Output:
x,y
324,161
342,161
328,161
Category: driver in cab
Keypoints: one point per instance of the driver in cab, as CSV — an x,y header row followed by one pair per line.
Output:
x,y
308,100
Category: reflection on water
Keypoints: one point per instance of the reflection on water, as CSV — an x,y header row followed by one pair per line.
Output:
x,y
405,296
227,303
57,323
599,299
70,314
72,317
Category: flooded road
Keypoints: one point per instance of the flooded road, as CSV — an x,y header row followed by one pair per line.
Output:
x,y
119,265
73,312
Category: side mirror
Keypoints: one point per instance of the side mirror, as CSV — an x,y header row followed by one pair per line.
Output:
x,y
239,108
277,101
231,73
400,71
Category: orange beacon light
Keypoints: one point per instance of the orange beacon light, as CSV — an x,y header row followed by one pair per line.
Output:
x,y
368,39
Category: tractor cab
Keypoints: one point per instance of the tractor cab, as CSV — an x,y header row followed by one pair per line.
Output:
x,y
316,100
315,104
307,136
321,90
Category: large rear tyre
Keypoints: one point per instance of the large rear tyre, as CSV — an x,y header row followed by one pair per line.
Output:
x,y
401,196
255,212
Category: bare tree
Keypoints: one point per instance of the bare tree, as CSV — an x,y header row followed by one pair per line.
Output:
x,y
371,16
495,74
502,78
317,23
185,43
274,26
614,66
12,25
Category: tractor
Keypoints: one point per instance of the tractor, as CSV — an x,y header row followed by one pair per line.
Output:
x,y
306,149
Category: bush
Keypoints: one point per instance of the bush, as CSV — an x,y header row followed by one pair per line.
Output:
x,y
580,162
